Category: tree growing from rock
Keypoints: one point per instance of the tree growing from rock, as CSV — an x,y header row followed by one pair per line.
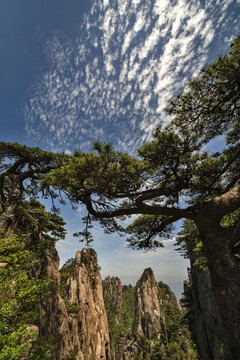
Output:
x,y
27,236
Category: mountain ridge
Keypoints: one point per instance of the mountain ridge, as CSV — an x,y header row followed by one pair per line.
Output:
x,y
111,321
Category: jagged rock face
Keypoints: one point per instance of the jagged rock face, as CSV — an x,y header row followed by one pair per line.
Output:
x,y
78,321
150,319
54,323
207,329
90,324
142,333
79,316
112,292
128,347
53,313
170,299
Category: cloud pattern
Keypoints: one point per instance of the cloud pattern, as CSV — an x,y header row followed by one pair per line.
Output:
x,y
113,81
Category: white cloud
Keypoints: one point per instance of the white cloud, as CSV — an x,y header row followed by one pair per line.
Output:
x,y
140,22
150,43
129,265
160,6
105,3
115,80
136,3
68,152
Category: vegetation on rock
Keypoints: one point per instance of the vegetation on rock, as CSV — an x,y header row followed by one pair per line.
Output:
x,y
20,297
178,343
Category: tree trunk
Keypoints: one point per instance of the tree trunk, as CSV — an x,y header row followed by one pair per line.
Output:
x,y
7,217
225,277
8,214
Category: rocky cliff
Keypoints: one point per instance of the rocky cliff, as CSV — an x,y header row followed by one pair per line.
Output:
x,y
83,297
206,324
53,324
73,318
150,318
91,319
112,292
147,322
84,290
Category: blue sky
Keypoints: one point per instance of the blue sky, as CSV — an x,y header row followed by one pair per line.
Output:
x,y
75,71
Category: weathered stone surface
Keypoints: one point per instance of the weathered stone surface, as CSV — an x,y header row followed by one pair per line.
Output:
x,y
150,319
79,321
112,292
139,308
207,329
170,299
85,291
3,264
128,347
79,316
53,313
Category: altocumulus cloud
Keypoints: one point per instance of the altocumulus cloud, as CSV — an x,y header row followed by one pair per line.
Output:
x,y
113,82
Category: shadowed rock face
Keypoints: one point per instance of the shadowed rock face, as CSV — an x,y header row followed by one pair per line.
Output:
x,y
53,313
112,294
207,330
150,319
112,289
